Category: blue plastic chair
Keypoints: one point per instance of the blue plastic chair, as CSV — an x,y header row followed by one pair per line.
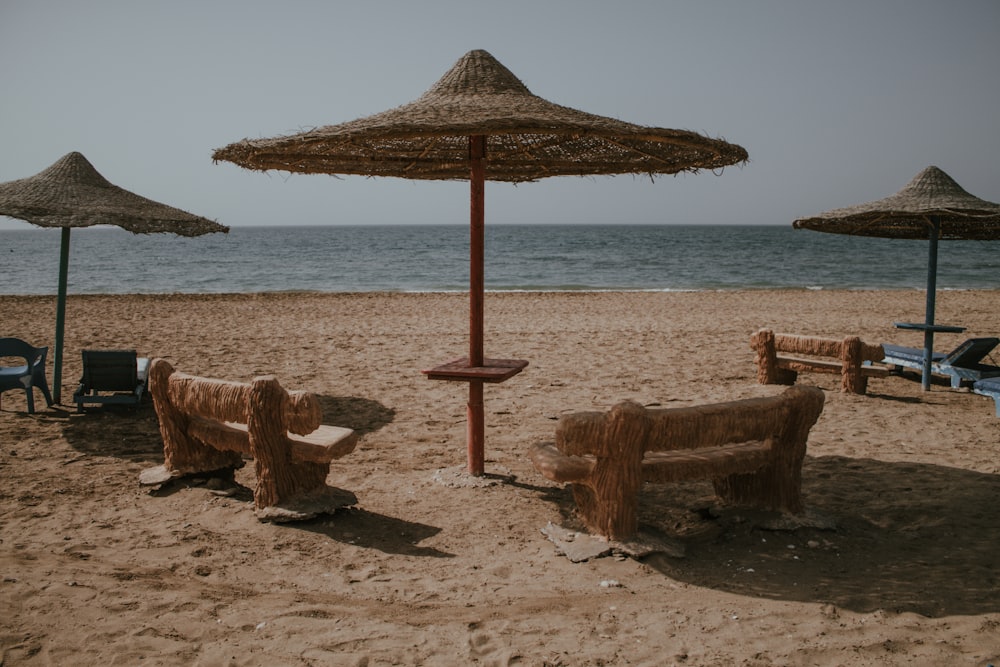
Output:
x,y
27,376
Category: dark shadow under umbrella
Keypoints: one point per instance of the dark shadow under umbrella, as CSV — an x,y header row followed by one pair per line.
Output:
x,y
480,122
71,193
933,207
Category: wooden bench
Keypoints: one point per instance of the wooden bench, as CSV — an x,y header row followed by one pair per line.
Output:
x,y
751,449
846,357
208,425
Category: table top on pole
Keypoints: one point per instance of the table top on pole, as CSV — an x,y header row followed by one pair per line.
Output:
x,y
922,326
492,370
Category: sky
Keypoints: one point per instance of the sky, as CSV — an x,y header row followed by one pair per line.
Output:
x,y
837,103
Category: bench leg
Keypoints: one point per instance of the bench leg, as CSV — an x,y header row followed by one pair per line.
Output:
x,y
853,382
766,357
778,485
785,376
775,487
607,502
612,513
182,453
278,478
286,490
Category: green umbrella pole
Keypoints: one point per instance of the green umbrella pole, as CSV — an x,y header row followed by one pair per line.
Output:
x,y
60,317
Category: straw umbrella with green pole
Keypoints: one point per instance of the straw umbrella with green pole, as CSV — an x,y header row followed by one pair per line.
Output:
x,y
71,193
933,207
480,122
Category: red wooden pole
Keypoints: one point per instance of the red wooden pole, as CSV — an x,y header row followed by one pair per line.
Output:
x,y
476,429
477,215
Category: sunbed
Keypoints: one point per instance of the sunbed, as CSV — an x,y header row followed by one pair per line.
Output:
x,y
989,387
963,364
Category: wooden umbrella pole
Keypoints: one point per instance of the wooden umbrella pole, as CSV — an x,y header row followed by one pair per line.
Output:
x,y
476,429
477,215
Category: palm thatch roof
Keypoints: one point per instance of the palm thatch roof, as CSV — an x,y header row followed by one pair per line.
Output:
x,y
527,137
71,193
909,214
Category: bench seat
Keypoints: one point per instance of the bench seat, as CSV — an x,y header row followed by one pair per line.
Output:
x,y
670,466
821,366
706,462
321,446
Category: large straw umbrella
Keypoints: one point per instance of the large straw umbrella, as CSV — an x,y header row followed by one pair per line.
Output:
x,y
71,193
479,122
933,207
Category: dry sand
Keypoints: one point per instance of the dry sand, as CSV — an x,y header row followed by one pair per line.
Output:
x,y
428,570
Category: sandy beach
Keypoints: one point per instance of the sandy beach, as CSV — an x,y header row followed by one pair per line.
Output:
x,y
429,568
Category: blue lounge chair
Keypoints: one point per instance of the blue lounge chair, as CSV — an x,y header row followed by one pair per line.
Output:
x,y
118,373
989,387
963,364
24,376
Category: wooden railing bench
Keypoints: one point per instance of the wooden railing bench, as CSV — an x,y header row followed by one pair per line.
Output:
x,y
752,450
777,365
209,425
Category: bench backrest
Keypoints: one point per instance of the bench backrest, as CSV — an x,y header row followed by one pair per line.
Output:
x,y
227,401
665,429
826,347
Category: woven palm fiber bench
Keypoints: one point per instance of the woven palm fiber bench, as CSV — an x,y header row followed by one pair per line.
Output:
x,y
208,425
752,451
777,365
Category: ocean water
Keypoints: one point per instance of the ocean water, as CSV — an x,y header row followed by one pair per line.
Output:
x,y
424,258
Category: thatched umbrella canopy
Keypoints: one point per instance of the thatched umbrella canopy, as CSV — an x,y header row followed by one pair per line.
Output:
x,y
71,193
932,206
480,122
527,138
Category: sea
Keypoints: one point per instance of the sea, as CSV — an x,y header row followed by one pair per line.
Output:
x,y
435,258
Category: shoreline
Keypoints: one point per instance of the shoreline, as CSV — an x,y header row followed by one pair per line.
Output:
x,y
500,291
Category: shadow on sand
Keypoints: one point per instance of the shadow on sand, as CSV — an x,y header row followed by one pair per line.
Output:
x,y
375,531
906,537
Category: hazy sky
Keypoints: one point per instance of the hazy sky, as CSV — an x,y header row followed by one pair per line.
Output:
x,y
837,102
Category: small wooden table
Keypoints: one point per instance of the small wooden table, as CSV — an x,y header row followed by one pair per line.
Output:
x,y
492,370
929,330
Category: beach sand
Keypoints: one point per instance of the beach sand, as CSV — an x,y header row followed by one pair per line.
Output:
x,y
429,569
